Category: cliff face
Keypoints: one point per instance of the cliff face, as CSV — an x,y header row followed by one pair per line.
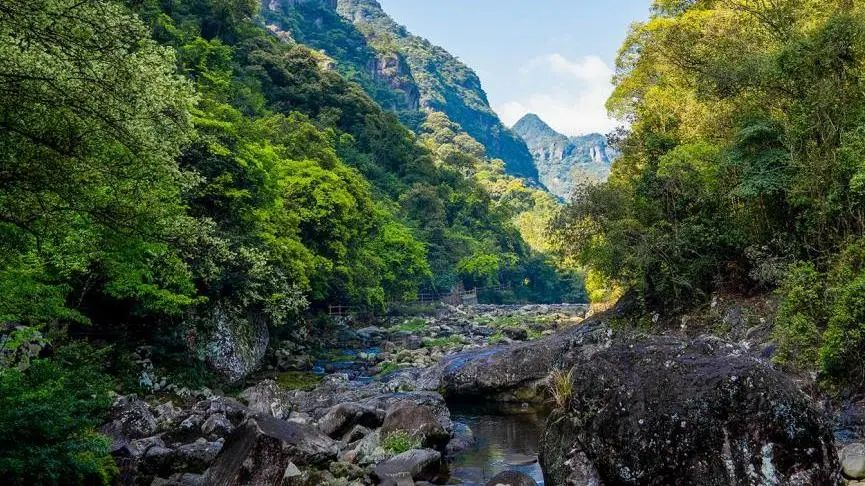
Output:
x,y
444,84
563,162
383,73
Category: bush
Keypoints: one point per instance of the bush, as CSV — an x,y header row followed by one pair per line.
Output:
x,y
48,413
821,320
399,442
800,314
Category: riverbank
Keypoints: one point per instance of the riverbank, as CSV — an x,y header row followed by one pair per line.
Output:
x,y
370,406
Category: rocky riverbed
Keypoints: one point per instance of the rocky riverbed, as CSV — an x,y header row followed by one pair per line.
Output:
x,y
375,407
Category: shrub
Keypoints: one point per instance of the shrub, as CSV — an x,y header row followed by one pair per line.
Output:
x,y
844,340
800,315
399,442
47,418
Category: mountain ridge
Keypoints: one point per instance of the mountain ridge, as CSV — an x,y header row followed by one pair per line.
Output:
x,y
404,73
564,162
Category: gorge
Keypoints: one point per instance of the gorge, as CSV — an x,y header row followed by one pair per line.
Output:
x,y
290,242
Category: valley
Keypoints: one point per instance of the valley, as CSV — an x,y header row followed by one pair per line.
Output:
x,y
291,242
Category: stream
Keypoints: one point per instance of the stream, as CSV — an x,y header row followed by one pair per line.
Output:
x,y
505,440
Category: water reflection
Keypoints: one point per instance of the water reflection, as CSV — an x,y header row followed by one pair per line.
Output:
x,y
503,441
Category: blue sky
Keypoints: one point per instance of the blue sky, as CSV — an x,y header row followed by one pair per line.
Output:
x,y
550,57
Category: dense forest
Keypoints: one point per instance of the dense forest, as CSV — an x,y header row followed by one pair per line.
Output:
x,y
741,170
171,166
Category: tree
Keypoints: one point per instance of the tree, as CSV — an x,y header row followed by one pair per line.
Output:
x,y
92,117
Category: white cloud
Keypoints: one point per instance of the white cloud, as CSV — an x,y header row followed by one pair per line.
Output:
x,y
574,102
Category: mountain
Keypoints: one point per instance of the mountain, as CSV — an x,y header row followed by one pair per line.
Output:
x,y
404,73
563,162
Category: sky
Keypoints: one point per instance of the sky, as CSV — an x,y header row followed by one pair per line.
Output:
x,y
554,58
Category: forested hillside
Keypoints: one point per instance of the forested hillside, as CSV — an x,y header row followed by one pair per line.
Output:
x,y
176,175
742,170
401,71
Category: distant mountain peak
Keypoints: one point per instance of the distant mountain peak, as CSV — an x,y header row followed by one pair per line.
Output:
x,y
564,162
532,126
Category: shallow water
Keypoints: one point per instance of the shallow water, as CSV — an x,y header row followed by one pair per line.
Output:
x,y
503,441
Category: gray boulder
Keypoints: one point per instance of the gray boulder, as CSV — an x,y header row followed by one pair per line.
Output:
x,y
517,372
267,398
512,478
340,420
853,461
217,425
196,456
236,339
130,418
265,448
418,464
663,411
415,420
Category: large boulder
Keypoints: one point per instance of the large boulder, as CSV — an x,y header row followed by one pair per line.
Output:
x,y
418,464
235,341
264,449
663,411
416,421
853,461
267,398
518,372
130,418
341,419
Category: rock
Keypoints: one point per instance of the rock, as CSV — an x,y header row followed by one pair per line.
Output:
x,y
512,478
130,418
462,439
370,332
718,416
419,464
180,479
156,460
369,451
516,333
264,448
518,372
415,420
267,398
401,479
356,434
166,414
236,342
342,418
853,461
187,430
196,456
217,425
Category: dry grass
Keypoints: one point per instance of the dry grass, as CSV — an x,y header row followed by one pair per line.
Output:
x,y
561,386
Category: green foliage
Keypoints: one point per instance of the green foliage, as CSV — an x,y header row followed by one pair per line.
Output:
x,y
298,380
412,325
802,310
399,442
820,321
742,152
47,417
93,117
